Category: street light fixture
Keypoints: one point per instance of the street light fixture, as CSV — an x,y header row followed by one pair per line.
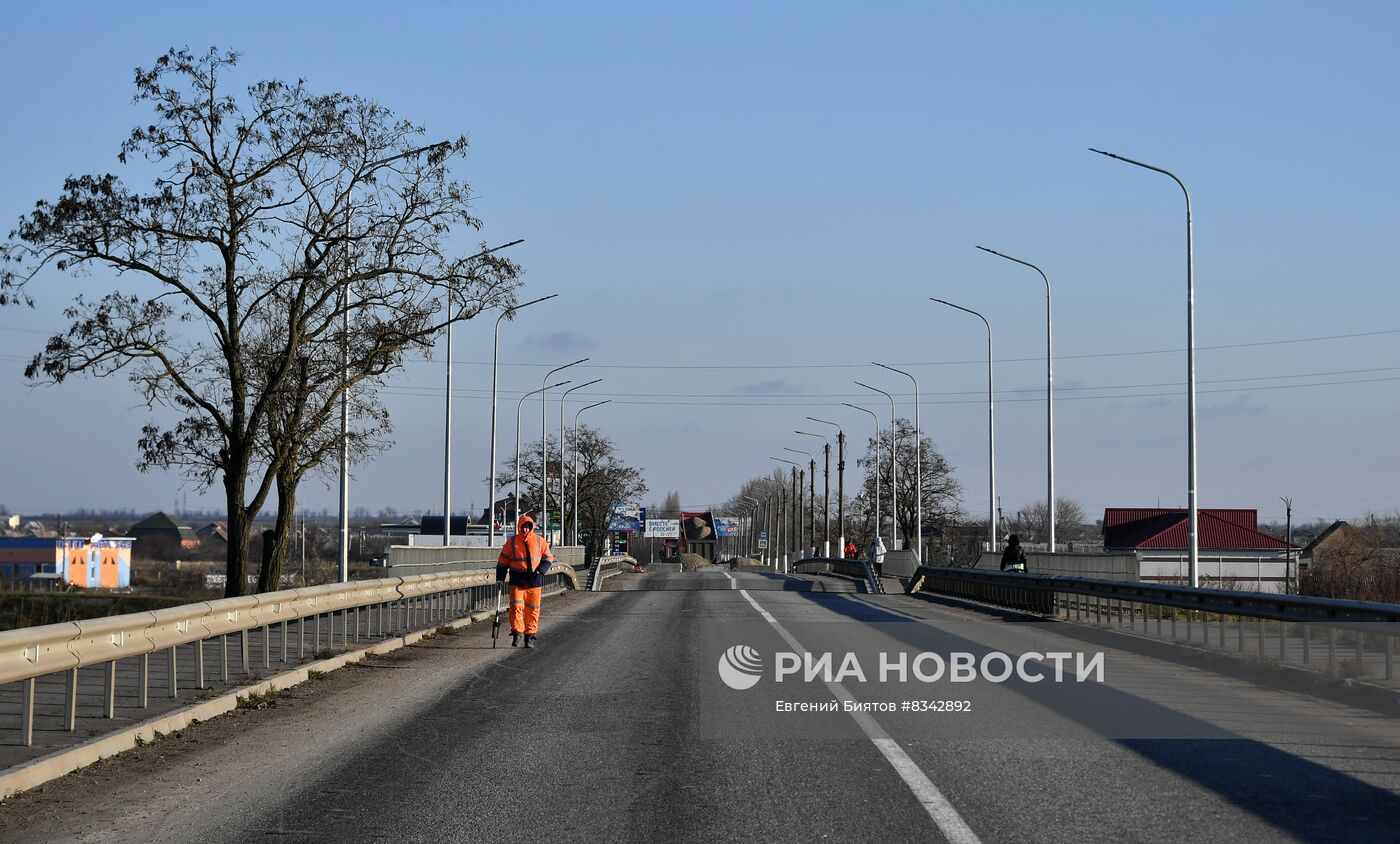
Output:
x,y
1194,550
840,486
562,442
991,429
518,406
755,504
1049,399
826,484
877,467
894,470
576,415
811,498
918,466
447,413
508,313
543,528
792,503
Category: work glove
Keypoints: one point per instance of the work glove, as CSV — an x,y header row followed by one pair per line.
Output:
x,y
501,572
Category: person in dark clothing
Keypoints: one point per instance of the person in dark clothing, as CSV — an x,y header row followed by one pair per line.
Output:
x,y
1013,558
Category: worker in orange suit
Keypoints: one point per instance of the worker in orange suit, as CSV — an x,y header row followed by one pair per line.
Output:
x,y
525,560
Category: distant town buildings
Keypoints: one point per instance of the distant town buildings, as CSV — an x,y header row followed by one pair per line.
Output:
x,y
46,562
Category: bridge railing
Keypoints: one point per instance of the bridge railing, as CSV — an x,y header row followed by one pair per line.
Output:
x,y
1371,628
367,609
605,567
849,567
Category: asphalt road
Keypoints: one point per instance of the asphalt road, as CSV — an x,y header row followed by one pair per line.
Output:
x,y
620,729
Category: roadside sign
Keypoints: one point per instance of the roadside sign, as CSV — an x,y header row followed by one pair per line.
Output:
x,y
762,543
663,528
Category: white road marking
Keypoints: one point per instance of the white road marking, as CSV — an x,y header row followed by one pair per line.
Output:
x,y
949,822
733,584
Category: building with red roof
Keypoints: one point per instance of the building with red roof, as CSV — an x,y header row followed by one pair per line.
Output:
x,y
1232,549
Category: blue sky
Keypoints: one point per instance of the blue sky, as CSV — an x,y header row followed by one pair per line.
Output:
x,y
778,188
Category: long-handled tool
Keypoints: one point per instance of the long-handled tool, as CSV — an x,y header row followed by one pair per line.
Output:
x,y
496,622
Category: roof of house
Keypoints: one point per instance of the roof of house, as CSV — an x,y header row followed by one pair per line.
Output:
x,y
1327,534
1159,528
153,522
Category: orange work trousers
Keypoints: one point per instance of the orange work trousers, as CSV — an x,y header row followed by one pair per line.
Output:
x,y
525,609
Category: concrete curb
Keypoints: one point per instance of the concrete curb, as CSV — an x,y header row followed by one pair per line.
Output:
x,y
60,763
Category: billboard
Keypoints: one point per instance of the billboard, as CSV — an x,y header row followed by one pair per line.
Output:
x,y
625,518
727,525
664,528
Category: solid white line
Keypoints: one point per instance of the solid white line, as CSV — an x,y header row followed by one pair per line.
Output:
x,y
949,822
733,584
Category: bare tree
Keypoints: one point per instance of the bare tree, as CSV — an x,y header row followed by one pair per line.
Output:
x,y
321,214
1030,522
604,480
941,492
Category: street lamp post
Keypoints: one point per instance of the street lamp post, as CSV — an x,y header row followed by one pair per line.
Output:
x,y
826,483
1050,505
1194,549
518,406
991,429
811,499
877,465
894,471
562,441
447,420
576,415
544,449
791,503
508,313
840,486
754,505
918,466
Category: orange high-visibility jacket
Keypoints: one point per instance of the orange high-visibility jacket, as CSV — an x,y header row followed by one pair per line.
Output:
x,y
525,557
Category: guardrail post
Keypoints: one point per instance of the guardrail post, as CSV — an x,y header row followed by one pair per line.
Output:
x,y
70,722
145,679
1189,615
301,638
267,646
110,688
173,664
285,622
26,722
72,703
243,649
199,664
316,636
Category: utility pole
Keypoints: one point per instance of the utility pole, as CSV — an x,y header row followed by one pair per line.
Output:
x,y
1289,584
841,490
795,506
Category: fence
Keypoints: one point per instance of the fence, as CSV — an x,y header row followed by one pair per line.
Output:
x,y
52,655
1369,629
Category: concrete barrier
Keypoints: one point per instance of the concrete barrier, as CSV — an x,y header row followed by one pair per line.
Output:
x,y
1096,566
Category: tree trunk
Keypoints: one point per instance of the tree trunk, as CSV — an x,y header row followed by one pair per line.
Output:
x,y
239,528
270,577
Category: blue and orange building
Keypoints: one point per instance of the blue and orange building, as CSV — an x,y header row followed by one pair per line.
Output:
x,y
92,563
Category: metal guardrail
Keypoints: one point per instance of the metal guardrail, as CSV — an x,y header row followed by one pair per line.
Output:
x,y
366,607
1079,597
604,567
849,567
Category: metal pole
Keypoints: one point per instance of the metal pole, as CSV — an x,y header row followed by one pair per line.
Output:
x,y
518,405
877,466
508,313
811,497
894,463
344,418
563,396
991,429
576,415
1194,550
544,446
840,487
447,437
1051,501
918,468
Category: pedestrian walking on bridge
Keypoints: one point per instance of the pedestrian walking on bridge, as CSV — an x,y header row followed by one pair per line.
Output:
x,y
525,560
1013,558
